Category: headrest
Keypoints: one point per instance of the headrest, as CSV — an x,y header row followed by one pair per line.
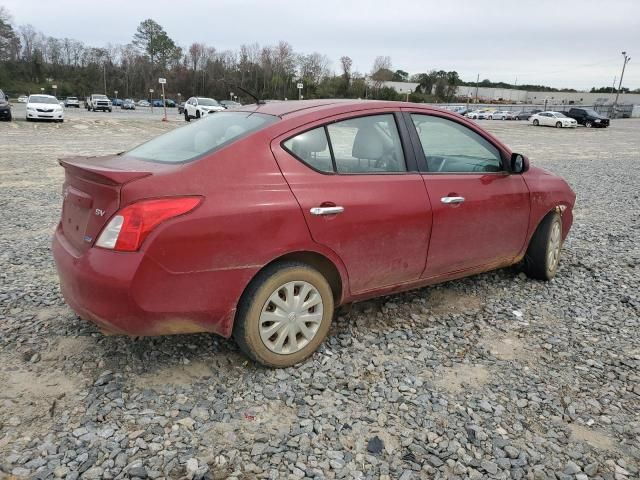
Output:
x,y
313,141
367,144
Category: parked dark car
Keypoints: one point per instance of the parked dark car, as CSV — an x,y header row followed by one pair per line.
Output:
x,y
117,102
343,201
158,103
588,117
5,107
522,114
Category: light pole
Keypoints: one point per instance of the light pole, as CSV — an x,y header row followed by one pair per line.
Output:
x,y
624,64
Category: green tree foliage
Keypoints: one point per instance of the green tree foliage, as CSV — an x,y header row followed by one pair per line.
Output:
x,y
151,39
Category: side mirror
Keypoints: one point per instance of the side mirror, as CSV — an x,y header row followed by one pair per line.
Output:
x,y
519,163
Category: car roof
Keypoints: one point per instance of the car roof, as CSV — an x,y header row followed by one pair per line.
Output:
x,y
291,108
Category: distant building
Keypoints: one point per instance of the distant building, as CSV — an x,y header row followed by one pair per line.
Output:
x,y
489,94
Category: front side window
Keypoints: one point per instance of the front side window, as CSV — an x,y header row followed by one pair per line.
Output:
x,y
360,145
454,148
205,136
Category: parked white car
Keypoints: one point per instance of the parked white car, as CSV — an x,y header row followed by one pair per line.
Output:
x,y
197,107
143,103
23,99
552,119
498,115
44,107
479,114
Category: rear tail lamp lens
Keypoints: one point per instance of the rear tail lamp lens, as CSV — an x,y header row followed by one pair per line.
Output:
x,y
127,230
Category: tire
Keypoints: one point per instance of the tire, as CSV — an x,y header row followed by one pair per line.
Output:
x,y
110,110
256,303
543,255
197,113
186,116
93,109
588,124
558,124
536,123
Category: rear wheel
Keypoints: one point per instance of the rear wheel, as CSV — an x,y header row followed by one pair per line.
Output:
x,y
543,255
284,315
186,116
536,123
558,124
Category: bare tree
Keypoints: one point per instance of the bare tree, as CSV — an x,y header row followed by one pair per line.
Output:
x,y
28,34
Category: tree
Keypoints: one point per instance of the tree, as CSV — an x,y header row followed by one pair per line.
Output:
x,y
9,41
400,76
151,39
346,64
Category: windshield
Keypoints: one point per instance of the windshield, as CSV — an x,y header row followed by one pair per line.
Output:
x,y
100,97
207,102
559,115
42,99
72,98
1,95
205,136
593,113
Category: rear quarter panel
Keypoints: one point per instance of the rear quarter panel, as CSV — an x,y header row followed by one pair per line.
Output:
x,y
248,218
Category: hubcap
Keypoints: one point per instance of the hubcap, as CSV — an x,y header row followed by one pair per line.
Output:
x,y
291,317
553,253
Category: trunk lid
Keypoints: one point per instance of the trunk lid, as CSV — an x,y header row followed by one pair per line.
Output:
x,y
91,191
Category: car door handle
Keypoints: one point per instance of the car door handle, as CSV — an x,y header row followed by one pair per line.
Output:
x,y
326,210
449,200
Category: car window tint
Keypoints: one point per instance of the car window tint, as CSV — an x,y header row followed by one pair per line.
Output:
x,y
451,147
367,145
312,148
205,136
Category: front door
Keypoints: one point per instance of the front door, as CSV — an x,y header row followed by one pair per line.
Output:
x,y
351,180
480,211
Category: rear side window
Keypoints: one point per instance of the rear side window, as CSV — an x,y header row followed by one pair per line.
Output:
x,y
205,136
360,145
312,148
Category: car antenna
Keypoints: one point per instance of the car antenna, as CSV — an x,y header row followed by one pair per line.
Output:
x,y
248,92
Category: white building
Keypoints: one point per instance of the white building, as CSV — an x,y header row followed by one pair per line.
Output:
x,y
488,94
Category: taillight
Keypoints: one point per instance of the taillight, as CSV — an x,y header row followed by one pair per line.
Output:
x,y
130,226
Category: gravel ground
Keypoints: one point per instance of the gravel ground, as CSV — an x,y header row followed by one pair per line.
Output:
x,y
494,376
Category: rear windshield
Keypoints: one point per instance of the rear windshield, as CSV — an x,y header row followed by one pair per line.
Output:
x,y
204,136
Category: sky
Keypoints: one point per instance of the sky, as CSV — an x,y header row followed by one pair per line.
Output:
x,y
560,43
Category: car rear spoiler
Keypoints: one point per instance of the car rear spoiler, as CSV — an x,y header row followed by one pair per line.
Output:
x,y
99,171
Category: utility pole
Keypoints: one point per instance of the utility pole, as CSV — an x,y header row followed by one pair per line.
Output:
x,y
624,64
613,90
477,81
104,75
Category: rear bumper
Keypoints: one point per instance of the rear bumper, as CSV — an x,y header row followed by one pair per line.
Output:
x,y
131,294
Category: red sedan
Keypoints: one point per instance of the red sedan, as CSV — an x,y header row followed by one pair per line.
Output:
x,y
258,222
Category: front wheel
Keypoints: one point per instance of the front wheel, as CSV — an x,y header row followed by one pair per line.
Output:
x,y
558,124
186,116
588,124
197,113
284,315
543,255
536,123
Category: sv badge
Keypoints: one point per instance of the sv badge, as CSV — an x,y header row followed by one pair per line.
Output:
x,y
99,213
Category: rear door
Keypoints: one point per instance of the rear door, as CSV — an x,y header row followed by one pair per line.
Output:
x,y
480,211
361,195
